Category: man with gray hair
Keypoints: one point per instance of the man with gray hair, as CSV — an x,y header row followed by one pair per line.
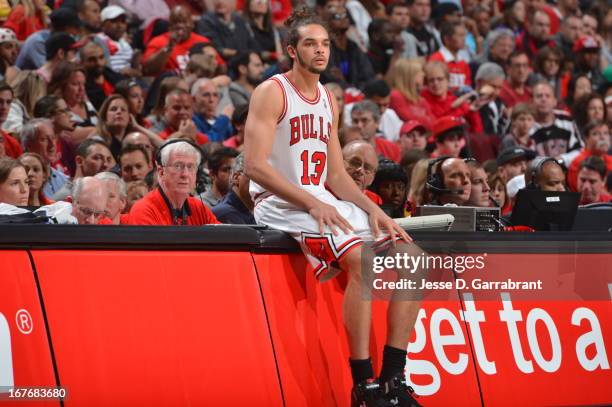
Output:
x,y
177,164
37,136
493,113
206,98
117,198
89,197
237,205
366,116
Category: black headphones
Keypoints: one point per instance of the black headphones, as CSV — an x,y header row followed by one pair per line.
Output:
x,y
537,169
201,176
435,183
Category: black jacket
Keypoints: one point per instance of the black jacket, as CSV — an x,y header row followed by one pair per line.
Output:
x,y
239,36
357,68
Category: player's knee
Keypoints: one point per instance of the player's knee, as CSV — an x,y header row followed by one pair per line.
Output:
x,y
356,263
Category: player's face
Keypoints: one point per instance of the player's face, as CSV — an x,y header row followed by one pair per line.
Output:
x,y
312,51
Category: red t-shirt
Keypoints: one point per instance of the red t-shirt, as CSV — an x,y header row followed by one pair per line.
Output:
x,y
458,70
201,138
153,210
574,168
12,148
374,197
180,53
23,26
388,149
511,97
407,110
441,106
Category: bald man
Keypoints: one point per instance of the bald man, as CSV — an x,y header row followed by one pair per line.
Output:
x,y
170,51
454,186
89,198
137,138
361,162
206,97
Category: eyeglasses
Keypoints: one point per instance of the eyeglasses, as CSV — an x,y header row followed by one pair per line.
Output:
x,y
88,212
356,164
180,167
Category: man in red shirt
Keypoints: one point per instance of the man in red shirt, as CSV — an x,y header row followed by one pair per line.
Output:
x,y
591,181
170,51
597,143
171,203
449,135
366,116
453,37
514,89
178,112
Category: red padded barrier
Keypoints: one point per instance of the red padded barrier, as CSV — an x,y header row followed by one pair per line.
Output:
x,y
447,353
310,342
25,357
158,328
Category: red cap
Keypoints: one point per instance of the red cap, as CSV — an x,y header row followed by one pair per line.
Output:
x,y
586,43
410,125
444,124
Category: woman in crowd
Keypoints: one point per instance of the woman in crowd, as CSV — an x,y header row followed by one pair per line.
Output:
x,y
27,17
257,14
133,93
14,189
578,87
513,18
589,108
115,123
29,87
498,194
547,67
68,82
444,103
38,173
406,79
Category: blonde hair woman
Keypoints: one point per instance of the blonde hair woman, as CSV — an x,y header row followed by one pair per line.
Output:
x,y
406,79
27,17
417,183
29,87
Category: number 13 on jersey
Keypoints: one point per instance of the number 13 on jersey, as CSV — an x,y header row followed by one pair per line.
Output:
x,y
318,159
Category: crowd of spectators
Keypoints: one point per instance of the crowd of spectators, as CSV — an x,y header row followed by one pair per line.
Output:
x,y
134,111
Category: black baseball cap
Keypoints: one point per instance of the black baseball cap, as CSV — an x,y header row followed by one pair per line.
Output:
x,y
57,41
515,153
551,132
64,17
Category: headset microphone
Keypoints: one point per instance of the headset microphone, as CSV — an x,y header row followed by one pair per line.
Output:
x,y
495,203
437,190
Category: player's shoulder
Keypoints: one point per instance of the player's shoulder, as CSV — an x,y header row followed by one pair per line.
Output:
x,y
269,95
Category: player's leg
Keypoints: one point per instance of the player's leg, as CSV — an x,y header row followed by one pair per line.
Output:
x,y
357,313
401,318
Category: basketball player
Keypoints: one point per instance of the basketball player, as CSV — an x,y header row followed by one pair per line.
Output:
x,y
292,155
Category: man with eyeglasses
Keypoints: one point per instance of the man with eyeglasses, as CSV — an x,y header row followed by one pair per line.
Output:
x,y
206,99
360,162
171,203
89,196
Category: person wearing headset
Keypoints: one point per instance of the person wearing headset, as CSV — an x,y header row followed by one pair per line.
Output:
x,y
177,164
545,174
448,181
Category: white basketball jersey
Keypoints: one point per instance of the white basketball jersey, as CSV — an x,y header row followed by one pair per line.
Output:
x,y
303,131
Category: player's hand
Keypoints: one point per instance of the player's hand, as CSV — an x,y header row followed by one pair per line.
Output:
x,y
379,220
327,215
